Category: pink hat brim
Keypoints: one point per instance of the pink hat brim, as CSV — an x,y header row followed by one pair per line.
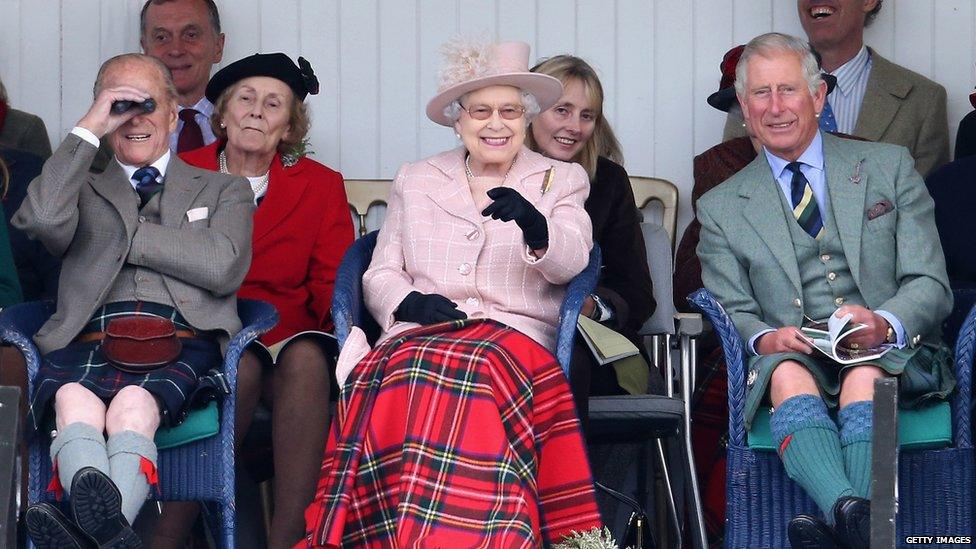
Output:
x,y
546,89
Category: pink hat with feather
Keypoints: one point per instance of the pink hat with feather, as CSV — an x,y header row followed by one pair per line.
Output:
x,y
471,65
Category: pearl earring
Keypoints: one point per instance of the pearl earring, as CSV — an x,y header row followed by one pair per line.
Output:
x,y
457,135
743,124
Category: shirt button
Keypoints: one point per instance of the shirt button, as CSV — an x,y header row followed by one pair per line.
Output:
x,y
473,301
839,301
142,219
797,302
825,258
464,268
831,276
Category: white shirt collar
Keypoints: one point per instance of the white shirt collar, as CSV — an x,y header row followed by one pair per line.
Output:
x,y
849,73
203,106
160,164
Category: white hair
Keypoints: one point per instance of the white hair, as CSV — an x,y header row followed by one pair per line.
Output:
x,y
774,42
531,104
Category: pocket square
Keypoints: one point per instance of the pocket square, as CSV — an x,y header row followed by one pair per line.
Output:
x,y
880,208
196,214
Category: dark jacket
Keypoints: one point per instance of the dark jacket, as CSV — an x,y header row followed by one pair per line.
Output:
x,y
625,281
37,269
953,187
966,136
710,168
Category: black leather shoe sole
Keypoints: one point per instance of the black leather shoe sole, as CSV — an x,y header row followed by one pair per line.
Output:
x,y
806,532
50,529
97,508
852,517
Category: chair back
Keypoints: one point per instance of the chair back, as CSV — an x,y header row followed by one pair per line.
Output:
x,y
653,189
364,193
657,245
349,308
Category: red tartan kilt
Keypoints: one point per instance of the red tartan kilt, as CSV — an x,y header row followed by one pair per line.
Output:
x,y
455,435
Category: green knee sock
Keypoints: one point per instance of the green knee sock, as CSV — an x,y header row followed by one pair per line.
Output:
x,y
126,451
810,449
78,445
855,439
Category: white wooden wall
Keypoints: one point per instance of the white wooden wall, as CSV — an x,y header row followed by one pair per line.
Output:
x,y
377,61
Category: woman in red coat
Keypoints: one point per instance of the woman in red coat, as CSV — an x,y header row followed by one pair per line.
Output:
x,y
302,227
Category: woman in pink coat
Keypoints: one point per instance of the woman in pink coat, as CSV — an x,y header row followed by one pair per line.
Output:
x,y
458,429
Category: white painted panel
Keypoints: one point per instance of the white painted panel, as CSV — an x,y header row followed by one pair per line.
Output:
x,y
319,27
913,26
596,22
280,30
750,18
10,57
477,17
359,88
785,18
712,39
118,28
40,68
399,92
673,104
80,25
437,23
242,28
517,21
555,27
953,19
633,88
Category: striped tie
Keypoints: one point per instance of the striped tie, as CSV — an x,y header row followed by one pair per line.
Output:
x,y
805,208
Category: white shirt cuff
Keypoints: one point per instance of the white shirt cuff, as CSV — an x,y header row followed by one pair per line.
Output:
x,y
755,338
86,134
897,325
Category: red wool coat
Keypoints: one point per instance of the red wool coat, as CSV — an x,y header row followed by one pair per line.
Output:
x,y
301,230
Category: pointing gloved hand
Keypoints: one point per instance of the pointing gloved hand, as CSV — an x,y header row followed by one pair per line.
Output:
x,y
509,205
427,309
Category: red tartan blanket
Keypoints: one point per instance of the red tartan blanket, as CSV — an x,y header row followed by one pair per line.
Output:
x,y
460,434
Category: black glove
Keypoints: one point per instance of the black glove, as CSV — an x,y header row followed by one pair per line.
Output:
x,y
427,309
509,205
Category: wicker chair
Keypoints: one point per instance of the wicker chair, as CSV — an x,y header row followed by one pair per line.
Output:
x,y
348,308
199,471
936,486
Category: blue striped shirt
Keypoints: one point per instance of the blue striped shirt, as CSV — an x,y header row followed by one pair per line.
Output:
x,y
852,80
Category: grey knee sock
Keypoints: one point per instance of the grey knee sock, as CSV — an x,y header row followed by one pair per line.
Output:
x,y
78,445
126,450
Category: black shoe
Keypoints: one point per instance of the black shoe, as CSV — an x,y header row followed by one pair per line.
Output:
x,y
807,532
97,507
852,521
49,528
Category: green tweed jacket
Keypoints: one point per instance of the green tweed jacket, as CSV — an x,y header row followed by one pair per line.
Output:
x,y
895,258
900,107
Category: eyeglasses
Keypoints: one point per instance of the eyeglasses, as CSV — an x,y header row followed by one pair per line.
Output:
x,y
484,112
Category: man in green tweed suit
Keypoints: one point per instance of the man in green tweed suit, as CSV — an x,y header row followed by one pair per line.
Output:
x,y
817,225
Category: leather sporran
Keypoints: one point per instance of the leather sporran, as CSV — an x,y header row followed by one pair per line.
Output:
x,y
141,344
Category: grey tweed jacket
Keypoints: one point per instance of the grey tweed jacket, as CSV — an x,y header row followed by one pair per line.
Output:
x,y
91,221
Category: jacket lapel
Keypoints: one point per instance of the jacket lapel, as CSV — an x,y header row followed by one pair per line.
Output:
x,y
764,211
882,97
526,167
112,185
454,197
847,181
181,186
285,191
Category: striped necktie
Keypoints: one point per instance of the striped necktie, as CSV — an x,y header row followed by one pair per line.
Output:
x,y
805,208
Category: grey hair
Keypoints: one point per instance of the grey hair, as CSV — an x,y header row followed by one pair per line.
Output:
x,y
160,67
531,104
773,42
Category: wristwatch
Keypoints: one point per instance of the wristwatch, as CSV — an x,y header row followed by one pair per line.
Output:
x,y
890,336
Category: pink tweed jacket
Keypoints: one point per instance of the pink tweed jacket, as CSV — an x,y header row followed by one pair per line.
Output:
x,y
434,240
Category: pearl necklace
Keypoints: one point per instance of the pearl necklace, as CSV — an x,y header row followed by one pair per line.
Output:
x,y
262,185
467,167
